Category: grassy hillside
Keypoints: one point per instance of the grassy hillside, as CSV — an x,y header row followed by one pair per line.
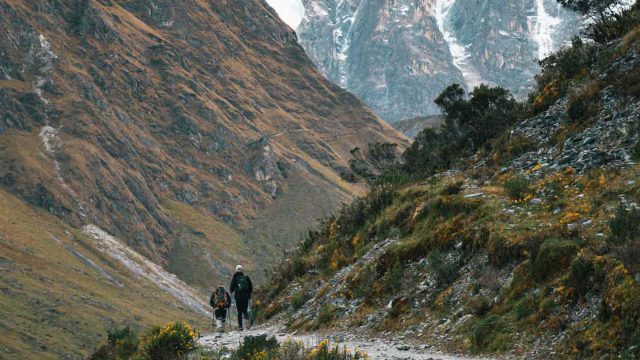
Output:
x,y
60,295
515,229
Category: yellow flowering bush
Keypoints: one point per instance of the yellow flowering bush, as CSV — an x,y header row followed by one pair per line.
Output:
x,y
324,351
167,342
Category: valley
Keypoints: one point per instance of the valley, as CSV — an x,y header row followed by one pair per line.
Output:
x,y
147,147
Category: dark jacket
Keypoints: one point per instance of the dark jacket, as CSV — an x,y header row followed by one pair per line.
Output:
x,y
234,287
212,300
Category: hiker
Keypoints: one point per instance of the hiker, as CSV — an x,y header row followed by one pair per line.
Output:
x,y
220,302
242,288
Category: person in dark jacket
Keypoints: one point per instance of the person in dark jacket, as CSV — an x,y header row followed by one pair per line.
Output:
x,y
220,302
241,288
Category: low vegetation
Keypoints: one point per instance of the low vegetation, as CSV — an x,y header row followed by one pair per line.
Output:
x,y
172,341
267,348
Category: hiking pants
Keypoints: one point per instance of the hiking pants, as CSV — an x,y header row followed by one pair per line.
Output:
x,y
219,318
243,305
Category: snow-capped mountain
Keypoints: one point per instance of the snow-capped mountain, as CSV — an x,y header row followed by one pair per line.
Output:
x,y
397,55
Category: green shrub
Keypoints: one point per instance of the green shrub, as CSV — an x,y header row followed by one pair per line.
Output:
x,y
525,307
445,272
547,306
325,315
632,352
299,298
452,188
507,147
608,21
502,250
171,341
552,256
489,334
625,226
449,206
478,305
557,71
581,276
517,188
122,343
585,104
393,277
629,254
252,345
365,283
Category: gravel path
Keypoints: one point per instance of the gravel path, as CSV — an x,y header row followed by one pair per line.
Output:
x,y
376,348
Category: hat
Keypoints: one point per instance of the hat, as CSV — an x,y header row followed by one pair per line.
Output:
x,y
238,268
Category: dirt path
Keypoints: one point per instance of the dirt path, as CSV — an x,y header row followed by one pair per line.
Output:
x,y
377,349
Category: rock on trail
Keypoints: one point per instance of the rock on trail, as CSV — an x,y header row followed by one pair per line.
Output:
x,y
379,349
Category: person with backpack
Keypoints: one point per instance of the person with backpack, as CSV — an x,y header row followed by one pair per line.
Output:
x,y
242,288
220,302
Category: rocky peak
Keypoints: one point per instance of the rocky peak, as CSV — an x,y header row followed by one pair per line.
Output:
x,y
398,55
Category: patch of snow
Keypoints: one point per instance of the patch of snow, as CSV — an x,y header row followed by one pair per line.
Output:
x,y
342,39
543,30
459,52
290,11
145,269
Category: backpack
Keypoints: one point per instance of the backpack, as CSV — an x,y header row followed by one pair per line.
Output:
x,y
243,285
220,298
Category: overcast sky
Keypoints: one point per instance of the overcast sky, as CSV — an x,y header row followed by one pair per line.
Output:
x,y
291,11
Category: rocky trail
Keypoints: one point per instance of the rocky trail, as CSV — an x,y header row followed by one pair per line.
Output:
x,y
375,348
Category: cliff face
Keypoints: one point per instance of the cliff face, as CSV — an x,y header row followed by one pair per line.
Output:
x,y
503,41
389,53
197,132
398,55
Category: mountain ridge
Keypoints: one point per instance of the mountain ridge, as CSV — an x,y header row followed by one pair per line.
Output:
x,y
398,55
176,128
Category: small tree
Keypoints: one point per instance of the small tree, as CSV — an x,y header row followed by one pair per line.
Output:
x,y
470,123
602,12
599,10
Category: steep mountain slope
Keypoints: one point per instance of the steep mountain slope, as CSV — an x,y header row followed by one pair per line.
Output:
x,y
398,55
178,127
120,106
529,248
62,288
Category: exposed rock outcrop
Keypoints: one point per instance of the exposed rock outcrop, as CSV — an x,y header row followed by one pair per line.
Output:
x,y
397,56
